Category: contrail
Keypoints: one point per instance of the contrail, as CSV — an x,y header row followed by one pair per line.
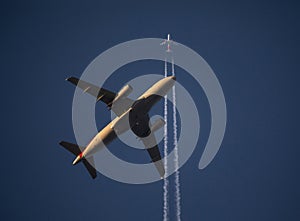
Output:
x,y
176,158
166,182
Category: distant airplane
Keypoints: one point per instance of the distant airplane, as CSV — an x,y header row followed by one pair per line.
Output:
x,y
130,115
168,41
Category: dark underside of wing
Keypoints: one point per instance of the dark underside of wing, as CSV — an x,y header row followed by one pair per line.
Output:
x,y
154,153
104,95
152,148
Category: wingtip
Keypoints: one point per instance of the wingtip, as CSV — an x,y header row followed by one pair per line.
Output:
x,y
73,80
68,78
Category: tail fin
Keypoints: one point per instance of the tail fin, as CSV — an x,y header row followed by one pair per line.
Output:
x,y
88,163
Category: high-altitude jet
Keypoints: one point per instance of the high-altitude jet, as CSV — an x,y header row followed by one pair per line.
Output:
x,y
130,114
168,41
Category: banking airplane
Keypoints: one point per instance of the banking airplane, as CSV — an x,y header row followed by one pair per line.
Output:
x,y
130,115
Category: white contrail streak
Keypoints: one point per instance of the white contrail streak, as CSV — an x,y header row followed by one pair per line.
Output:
x,y
176,158
166,182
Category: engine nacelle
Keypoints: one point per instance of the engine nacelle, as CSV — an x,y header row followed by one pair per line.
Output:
x,y
159,123
124,92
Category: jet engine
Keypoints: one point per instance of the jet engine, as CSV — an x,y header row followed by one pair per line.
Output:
x,y
124,92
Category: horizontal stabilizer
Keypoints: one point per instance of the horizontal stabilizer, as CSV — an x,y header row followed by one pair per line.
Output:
x,y
90,166
73,148
88,163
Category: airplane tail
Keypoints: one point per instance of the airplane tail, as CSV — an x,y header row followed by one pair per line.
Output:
x,y
87,162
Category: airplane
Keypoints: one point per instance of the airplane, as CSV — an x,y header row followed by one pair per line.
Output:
x,y
168,41
130,115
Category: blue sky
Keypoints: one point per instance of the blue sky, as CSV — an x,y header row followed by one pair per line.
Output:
x,y
251,45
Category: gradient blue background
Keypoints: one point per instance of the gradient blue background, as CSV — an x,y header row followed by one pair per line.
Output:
x,y
252,46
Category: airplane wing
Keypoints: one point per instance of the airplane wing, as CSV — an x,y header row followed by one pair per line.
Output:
x,y
103,95
152,148
164,42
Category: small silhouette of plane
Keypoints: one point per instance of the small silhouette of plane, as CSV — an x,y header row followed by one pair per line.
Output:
x,y
169,42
